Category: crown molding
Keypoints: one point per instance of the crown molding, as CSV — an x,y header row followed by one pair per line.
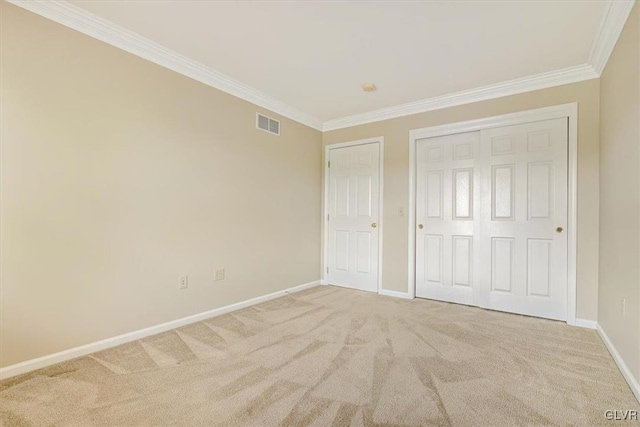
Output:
x,y
511,87
94,26
611,26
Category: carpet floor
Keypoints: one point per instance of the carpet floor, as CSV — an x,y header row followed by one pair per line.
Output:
x,y
333,356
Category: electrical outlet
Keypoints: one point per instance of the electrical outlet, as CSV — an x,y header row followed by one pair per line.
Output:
x,y
624,306
184,282
219,275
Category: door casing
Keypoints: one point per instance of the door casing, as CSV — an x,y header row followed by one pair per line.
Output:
x,y
325,211
569,111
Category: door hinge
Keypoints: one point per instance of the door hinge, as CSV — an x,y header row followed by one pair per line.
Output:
x,y
327,270
329,164
328,217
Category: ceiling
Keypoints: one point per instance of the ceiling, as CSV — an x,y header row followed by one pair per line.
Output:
x,y
315,55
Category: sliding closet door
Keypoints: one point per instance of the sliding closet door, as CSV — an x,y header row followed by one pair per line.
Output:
x,y
524,219
447,200
491,216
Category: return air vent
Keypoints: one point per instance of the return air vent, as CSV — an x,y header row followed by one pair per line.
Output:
x,y
267,124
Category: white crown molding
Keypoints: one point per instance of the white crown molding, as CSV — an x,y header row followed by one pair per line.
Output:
x,y
79,19
611,26
511,87
92,25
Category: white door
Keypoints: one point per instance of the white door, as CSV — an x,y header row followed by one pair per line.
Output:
x,y
491,212
354,183
447,199
524,218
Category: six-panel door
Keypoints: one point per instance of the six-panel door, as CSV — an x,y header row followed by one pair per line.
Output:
x,y
353,217
446,203
524,218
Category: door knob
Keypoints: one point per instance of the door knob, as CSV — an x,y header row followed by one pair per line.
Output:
x,y
559,230
374,225
420,226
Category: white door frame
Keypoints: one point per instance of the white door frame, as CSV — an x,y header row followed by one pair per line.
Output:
x,y
559,111
325,243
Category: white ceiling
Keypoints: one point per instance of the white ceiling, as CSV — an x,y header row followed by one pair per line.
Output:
x,y
315,56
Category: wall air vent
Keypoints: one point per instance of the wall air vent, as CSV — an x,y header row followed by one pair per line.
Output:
x,y
267,124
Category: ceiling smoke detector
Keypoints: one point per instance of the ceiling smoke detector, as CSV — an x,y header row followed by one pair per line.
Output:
x,y
368,87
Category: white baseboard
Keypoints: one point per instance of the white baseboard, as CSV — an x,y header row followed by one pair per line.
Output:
x,y
83,350
584,323
52,359
626,372
394,294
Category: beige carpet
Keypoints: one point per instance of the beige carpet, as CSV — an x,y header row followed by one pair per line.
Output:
x,y
332,356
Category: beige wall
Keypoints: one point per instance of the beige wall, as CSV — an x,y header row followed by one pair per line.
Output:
x,y
396,176
118,176
620,195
